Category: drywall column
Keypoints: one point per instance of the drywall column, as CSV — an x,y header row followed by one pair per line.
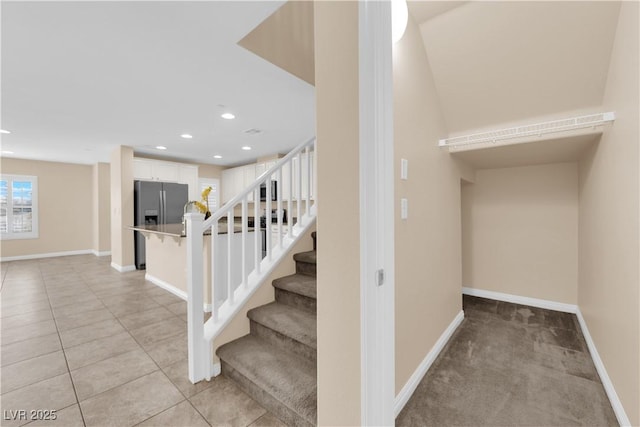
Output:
x,y
337,106
101,210
122,250
609,233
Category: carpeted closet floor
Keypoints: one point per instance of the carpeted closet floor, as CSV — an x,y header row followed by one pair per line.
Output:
x,y
511,365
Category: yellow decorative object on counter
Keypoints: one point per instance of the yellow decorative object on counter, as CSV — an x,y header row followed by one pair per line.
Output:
x,y
204,208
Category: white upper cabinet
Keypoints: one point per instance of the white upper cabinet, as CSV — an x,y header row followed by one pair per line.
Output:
x,y
188,174
158,170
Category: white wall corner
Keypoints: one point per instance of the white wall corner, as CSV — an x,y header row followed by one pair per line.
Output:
x,y
216,369
516,299
99,253
407,391
123,269
616,404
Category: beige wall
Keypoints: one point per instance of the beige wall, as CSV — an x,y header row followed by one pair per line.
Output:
x,y
101,208
210,171
337,106
121,177
609,254
520,231
427,249
65,205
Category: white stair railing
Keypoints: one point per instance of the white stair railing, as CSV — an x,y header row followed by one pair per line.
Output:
x,y
242,257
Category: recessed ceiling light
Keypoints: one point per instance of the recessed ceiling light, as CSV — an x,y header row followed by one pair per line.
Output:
x,y
228,116
186,136
4,131
217,156
246,148
161,147
7,152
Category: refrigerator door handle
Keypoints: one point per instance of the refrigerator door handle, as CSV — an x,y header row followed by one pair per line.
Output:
x,y
161,209
164,207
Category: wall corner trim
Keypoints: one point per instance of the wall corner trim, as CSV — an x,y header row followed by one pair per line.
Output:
x,y
174,290
98,253
516,299
618,409
123,269
407,391
216,369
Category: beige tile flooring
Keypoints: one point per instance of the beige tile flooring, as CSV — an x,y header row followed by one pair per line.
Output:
x,y
103,348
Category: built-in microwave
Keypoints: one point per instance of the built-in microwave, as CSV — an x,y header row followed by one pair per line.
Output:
x,y
274,191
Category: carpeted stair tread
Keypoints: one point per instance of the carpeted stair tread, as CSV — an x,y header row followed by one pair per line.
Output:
x,y
296,324
298,284
308,257
288,378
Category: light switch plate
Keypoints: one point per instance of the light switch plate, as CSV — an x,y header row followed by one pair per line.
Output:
x,y
404,169
404,208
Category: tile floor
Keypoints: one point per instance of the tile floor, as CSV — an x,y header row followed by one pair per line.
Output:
x,y
103,348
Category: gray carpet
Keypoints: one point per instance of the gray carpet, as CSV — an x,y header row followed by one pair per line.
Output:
x,y
511,365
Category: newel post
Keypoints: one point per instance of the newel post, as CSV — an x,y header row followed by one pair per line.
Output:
x,y
199,362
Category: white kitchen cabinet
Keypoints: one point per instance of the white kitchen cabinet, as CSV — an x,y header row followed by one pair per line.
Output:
x,y
158,170
249,176
232,183
188,174
142,170
155,170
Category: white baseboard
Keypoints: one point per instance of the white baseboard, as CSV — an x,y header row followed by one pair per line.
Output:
x,y
216,369
407,391
533,302
616,404
171,288
123,269
103,253
46,255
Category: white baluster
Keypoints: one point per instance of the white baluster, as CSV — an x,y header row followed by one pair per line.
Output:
x,y
289,211
279,204
308,161
244,245
299,188
215,245
229,255
268,218
256,229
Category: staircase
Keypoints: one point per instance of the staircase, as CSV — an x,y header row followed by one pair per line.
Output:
x,y
276,363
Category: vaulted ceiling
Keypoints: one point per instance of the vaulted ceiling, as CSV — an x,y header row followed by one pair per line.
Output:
x,y
504,62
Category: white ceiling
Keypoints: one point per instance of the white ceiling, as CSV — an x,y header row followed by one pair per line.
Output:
x,y
80,78
504,62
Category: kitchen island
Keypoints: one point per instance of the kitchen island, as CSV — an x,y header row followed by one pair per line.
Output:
x,y
166,258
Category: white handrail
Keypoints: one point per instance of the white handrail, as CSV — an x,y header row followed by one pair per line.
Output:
x,y
238,264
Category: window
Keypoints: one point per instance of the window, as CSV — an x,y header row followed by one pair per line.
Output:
x,y
214,195
18,207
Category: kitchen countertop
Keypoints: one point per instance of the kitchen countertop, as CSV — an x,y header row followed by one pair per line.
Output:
x,y
175,230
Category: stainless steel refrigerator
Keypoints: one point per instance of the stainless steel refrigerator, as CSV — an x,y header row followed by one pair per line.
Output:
x,y
156,203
